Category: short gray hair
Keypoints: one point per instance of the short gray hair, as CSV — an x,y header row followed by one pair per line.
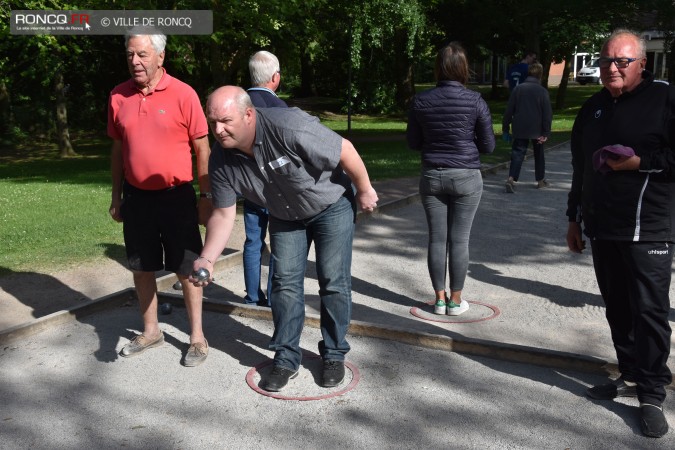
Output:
x,y
157,38
642,45
262,65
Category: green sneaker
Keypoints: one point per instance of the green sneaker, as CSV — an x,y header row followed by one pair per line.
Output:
x,y
439,307
455,310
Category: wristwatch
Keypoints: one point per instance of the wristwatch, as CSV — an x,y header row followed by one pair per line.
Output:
x,y
206,194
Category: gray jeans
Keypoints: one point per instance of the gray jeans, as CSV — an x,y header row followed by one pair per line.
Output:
x,y
450,198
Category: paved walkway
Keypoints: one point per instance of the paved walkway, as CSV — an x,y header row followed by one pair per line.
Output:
x,y
535,312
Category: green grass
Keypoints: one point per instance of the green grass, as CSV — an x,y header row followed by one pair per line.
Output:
x,y
54,212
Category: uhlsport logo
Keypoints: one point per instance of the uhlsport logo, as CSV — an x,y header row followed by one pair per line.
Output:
x,y
657,252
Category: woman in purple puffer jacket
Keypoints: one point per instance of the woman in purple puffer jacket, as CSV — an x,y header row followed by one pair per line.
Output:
x,y
450,125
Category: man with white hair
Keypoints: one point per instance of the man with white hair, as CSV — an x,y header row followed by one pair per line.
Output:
x,y
156,121
623,191
265,78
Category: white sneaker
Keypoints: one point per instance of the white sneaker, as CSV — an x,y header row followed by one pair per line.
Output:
x,y
455,310
440,307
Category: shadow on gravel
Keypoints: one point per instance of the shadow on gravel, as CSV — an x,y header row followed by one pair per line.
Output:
x,y
31,287
559,295
570,381
222,332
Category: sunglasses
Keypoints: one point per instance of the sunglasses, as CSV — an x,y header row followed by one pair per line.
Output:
x,y
621,63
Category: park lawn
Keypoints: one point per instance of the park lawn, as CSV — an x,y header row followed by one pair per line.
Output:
x,y
54,212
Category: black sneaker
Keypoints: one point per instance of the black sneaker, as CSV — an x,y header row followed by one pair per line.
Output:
x,y
333,373
652,421
609,391
277,379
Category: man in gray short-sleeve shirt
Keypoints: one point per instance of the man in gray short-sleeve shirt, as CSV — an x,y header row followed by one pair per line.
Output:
x,y
302,172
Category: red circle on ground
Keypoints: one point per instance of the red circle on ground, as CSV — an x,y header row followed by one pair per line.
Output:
x,y
250,380
417,312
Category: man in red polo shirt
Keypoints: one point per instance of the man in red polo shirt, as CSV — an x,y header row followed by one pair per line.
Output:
x,y
155,122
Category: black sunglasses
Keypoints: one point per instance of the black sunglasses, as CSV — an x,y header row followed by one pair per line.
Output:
x,y
621,63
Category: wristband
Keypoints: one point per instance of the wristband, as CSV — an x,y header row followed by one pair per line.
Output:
x,y
207,260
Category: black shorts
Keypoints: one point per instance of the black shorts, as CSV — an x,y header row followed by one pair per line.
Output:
x,y
161,228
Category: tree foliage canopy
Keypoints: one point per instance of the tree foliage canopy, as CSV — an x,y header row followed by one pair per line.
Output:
x,y
381,46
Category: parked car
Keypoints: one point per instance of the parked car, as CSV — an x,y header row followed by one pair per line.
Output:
x,y
589,73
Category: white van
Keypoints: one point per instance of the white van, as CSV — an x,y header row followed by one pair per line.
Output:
x,y
590,73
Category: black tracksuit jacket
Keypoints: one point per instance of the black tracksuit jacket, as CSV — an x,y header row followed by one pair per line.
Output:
x,y
626,205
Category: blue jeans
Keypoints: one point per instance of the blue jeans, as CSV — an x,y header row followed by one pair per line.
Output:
x,y
332,232
450,198
518,151
255,224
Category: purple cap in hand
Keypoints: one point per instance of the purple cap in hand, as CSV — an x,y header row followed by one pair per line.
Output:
x,y
615,151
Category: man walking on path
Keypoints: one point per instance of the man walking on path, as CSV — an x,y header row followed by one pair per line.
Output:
x,y
529,110
155,121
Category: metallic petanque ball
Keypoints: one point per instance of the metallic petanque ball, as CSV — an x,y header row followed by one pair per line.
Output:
x,y
201,274
165,308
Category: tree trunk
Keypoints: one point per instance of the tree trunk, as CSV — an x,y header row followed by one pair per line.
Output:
x,y
562,89
403,66
306,75
494,92
216,64
65,147
5,111
669,54
405,87
545,62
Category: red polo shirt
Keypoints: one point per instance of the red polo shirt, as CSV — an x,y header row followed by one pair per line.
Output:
x,y
156,130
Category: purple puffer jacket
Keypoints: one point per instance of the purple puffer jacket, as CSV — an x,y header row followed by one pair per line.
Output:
x,y
450,125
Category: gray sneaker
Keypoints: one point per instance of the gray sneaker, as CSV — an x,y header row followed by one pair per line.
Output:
x,y
510,187
141,343
196,354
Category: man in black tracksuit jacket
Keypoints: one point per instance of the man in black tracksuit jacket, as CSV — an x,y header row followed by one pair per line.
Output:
x,y
628,213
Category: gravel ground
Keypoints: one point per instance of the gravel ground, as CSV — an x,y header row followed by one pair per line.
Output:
x,y
67,388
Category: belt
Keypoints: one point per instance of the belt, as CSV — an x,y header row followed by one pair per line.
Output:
x,y
133,189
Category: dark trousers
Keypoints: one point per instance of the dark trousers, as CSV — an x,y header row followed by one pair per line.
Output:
x,y
634,280
518,152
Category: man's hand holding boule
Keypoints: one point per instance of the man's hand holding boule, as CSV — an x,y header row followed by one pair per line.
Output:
x,y
202,269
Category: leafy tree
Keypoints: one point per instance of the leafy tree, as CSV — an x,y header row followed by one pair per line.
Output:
x,y
378,43
41,75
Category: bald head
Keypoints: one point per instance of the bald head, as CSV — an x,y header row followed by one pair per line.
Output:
x,y
228,95
231,117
